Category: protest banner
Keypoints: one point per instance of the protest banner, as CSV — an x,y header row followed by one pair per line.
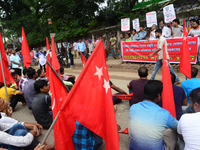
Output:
x,y
136,24
151,18
125,24
138,51
169,13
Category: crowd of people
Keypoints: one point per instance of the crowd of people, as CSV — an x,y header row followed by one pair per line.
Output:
x,y
150,126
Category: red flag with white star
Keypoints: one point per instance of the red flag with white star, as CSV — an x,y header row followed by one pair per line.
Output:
x,y
167,95
25,50
48,58
185,65
90,101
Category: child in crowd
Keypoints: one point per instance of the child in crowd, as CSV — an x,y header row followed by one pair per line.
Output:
x,y
71,56
41,74
41,104
16,79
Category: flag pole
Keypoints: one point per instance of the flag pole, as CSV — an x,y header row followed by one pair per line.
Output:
x,y
2,70
57,76
50,128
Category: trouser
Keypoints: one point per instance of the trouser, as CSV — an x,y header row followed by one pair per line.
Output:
x,y
15,99
170,139
98,141
18,71
20,130
71,61
114,53
44,66
71,80
106,53
116,100
158,66
76,55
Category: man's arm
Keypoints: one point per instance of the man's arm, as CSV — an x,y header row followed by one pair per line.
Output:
x,y
118,89
185,102
150,55
128,85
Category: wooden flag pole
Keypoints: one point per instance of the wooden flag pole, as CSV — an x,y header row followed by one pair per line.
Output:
x,y
4,80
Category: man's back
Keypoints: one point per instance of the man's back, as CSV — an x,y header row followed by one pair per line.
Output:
x,y
189,85
29,92
40,109
189,128
147,123
138,90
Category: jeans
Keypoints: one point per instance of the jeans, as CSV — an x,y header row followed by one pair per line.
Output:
x,y
114,53
20,130
44,67
158,66
71,61
15,99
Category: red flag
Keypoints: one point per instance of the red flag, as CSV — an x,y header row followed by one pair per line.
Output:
x,y
125,131
55,63
5,64
123,96
83,59
25,50
185,65
167,95
90,100
48,58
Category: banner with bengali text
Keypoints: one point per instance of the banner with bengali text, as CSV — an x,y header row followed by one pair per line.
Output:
x,y
138,51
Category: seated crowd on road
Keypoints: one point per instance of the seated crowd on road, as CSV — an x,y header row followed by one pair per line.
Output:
x,y
151,127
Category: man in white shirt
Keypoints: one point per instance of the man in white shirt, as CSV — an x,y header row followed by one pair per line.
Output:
x,y
76,55
166,32
189,125
90,46
152,33
177,30
159,50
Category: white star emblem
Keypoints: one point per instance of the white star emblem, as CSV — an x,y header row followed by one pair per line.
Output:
x,y
53,104
99,72
22,38
106,85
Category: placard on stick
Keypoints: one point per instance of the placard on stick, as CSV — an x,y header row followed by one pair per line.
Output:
x,y
125,24
151,18
169,13
136,24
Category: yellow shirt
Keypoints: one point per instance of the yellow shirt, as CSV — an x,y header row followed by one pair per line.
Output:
x,y
11,93
190,28
113,41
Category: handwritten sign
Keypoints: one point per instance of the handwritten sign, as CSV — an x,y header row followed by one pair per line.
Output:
x,y
169,13
138,51
151,18
125,24
136,24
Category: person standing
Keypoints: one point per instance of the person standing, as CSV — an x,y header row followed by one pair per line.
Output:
x,y
42,59
152,33
142,34
177,30
71,57
105,42
8,58
166,32
16,62
21,57
81,47
76,55
159,50
90,46
134,35
122,39
113,42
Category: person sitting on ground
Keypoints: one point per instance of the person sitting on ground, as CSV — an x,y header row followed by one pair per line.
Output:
x,y
23,80
179,98
137,86
148,122
191,84
15,85
70,78
142,34
120,91
14,96
41,104
188,125
29,90
177,30
41,74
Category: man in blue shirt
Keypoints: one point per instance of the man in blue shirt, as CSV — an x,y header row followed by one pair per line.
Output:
x,y
142,34
81,47
16,62
148,122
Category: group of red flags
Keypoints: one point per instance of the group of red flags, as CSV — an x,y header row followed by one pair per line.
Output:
x,y
90,100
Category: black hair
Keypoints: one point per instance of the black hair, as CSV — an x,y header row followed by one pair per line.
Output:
x,y
143,72
197,21
195,96
194,72
61,69
100,36
192,20
177,21
173,77
162,21
152,88
134,30
39,71
112,33
30,73
142,26
158,31
25,71
122,34
13,73
39,84
129,35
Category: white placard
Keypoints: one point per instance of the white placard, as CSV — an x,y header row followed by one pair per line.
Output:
x,y
136,24
151,18
169,13
125,24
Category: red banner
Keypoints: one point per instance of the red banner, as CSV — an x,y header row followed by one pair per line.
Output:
x,y
138,51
